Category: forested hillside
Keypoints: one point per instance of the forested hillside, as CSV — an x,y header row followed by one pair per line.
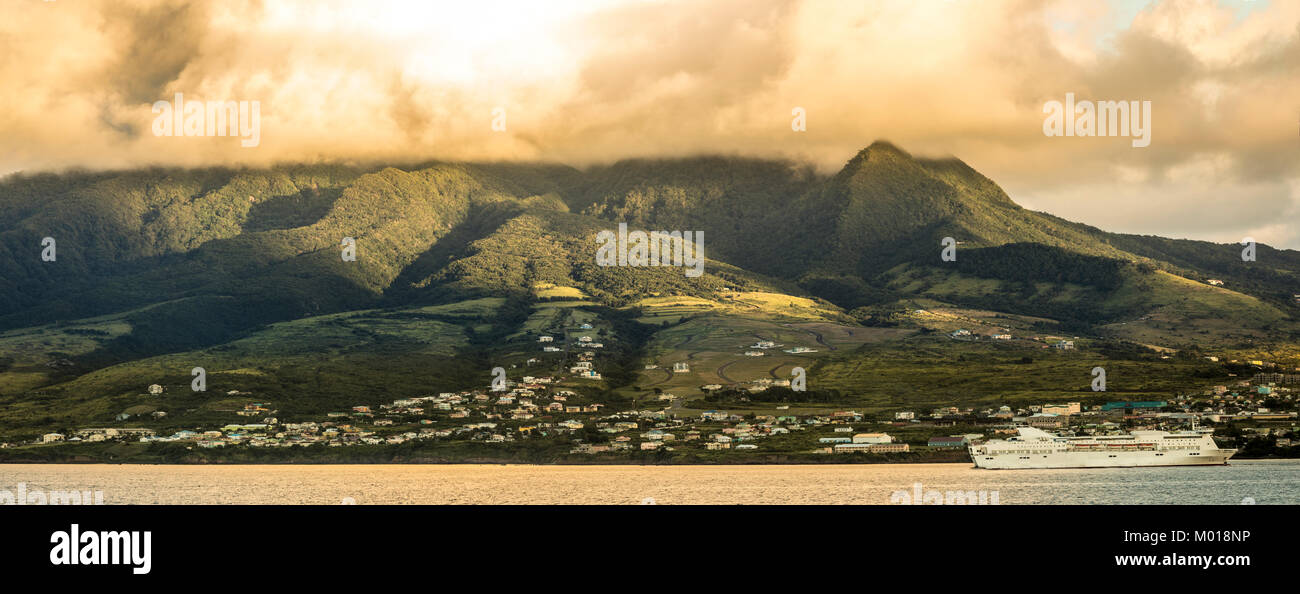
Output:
x,y
159,261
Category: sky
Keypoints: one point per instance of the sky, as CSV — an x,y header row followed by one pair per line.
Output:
x,y
597,81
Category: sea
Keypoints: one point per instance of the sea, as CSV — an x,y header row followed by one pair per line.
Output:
x,y
1249,482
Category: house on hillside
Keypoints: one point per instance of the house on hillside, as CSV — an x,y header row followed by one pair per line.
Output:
x,y
947,442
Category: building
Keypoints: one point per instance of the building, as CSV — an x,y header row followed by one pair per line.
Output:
x,y
681,367
888,448
587,448
872,438
1069,408
871,448
1134,407
1045,421
714,415
947,442
52,437
1064,345
113,433
545,339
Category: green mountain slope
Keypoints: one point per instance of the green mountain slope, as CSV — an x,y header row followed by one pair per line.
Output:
x,y
840,237
160,267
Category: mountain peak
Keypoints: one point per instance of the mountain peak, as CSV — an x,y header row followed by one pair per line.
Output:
x,y
883,148
879,151
886,146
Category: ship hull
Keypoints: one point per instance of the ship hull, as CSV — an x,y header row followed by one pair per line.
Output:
x,y
1100,460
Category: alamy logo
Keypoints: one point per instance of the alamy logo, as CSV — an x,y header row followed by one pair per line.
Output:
x,y
26,496
921,496
949,252
499,379
498,119
74,547
1103,118
212,118
200,383
656,248
1248,252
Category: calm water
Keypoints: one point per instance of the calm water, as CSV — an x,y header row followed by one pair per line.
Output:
x,y
1267,482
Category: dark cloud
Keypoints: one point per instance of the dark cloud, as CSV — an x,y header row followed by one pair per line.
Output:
x,y
587,83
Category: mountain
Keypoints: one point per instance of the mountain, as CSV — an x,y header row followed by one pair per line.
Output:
x,y
870,235
459,264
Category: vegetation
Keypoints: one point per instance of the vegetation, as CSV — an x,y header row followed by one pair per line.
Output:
x,y
461,266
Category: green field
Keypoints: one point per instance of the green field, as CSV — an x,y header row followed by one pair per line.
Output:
x,y
304,367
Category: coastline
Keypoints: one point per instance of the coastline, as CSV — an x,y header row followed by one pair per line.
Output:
x,y
450,454
305,458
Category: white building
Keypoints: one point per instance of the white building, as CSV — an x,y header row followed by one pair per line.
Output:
x,y
1069,408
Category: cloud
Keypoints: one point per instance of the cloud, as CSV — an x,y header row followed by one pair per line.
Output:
x,y
588,82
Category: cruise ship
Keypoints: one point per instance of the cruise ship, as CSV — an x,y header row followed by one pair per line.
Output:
x,y
1035,448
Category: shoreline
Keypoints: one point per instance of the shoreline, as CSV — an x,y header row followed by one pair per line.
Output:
x,y
516,462
386,455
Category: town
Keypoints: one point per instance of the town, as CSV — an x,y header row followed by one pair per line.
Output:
x,y
561,414
535,408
